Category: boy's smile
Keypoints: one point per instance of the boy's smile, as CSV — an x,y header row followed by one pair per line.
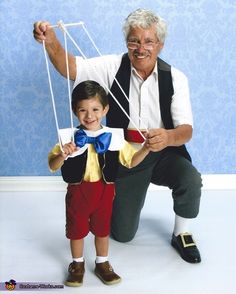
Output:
x,y
90,113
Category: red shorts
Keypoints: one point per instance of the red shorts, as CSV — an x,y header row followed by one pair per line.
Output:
x,y
89,208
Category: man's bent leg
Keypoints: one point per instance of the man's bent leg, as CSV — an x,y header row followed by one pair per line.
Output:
x,y
186,183
181,176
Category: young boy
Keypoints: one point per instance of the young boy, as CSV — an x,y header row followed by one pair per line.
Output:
x,y
90,172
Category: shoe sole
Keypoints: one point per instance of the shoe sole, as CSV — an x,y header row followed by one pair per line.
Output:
x,y
108,283
73,284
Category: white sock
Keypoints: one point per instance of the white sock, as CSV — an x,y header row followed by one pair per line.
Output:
x,y
181,225
100,259
79,259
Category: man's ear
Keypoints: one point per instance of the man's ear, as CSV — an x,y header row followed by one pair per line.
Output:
x,y
161,46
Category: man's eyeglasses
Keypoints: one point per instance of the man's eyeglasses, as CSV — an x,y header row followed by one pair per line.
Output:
x,y
150,45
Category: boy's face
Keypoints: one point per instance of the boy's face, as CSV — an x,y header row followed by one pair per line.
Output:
x,y
90,113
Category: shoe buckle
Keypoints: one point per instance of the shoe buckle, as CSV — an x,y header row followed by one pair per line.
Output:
x,y
187,240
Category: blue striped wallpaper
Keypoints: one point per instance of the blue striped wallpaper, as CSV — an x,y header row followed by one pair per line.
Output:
x,y
201,42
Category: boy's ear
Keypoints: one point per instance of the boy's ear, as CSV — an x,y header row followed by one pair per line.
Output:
x,y
105,111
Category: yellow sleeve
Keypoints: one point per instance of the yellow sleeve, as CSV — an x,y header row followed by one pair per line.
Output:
x,y
55,151
126,154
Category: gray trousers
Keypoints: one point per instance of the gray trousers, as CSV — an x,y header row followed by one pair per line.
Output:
x,y
161,168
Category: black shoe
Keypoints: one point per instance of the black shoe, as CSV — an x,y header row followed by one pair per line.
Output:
x,y
186,247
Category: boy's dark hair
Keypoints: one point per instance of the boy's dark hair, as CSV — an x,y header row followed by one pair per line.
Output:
x,y
86,90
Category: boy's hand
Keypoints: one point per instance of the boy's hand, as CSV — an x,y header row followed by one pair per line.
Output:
x,y
68,149
146,145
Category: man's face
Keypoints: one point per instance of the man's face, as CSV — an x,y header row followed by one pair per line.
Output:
x,y
143,48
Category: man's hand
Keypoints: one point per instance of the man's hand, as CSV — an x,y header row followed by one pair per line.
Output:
x,y
158,139
43,32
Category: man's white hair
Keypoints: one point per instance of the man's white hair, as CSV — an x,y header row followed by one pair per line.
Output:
x,y
145,18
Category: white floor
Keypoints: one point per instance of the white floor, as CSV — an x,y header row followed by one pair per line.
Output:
x,y
33,247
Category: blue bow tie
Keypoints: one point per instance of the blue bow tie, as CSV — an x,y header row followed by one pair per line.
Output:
x,y
100,143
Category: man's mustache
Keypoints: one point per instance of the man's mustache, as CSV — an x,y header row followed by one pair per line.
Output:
x,y
137,54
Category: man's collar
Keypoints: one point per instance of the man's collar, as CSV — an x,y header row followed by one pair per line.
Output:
x,y
154,72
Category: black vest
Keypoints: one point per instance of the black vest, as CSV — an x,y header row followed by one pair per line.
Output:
x,y
115,116
73,168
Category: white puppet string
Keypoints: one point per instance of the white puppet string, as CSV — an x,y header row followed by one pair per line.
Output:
x,y
52,95
66,33
115,79
63,27
67,25
68,86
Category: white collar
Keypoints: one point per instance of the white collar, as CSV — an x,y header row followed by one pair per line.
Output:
x,y
154,72
117,139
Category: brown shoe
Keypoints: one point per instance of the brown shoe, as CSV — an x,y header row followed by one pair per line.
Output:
x,y
106,273
76,274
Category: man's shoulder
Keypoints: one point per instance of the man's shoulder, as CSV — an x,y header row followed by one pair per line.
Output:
x,y
163,65
177,73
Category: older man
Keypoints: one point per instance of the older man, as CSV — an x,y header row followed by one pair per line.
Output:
x,y
158,101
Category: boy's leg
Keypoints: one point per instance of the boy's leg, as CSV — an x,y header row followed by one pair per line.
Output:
x,y
103,268
101,245
76,268
100,222
74,202
77,248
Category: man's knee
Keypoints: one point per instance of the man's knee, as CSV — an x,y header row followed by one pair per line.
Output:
x,y
188,178
121,236
123,229
123,232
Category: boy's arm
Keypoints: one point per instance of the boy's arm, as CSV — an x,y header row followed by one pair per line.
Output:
x,y
130,157
55,160
139,156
